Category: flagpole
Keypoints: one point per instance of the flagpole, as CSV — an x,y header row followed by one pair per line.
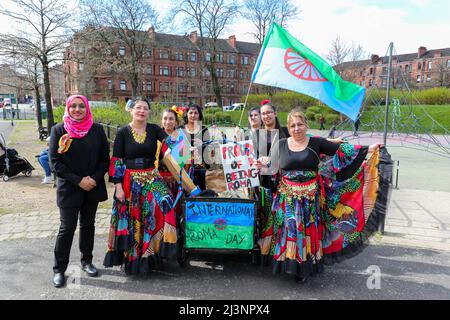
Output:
x,y
388,91
245,103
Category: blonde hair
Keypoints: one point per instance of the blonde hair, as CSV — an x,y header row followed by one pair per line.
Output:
x,y
297,113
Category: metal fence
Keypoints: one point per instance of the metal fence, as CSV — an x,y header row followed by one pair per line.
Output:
x,y
19,114
110,131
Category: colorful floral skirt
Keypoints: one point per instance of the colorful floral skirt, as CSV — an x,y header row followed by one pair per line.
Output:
x,y
143,228
292,232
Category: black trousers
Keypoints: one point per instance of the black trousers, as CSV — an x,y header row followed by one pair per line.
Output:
x,y
69,218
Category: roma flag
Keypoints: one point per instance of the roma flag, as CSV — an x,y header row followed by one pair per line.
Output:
x,y
286,63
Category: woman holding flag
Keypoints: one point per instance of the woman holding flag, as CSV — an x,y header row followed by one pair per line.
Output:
x,y
317,213
142,222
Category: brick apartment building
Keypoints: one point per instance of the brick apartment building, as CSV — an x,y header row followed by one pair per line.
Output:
x,y
423,69
171,71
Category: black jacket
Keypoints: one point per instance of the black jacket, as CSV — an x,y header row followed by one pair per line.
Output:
x,y
88,156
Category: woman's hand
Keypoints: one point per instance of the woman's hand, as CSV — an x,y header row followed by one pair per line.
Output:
x,y
87,183
262,162
375,146
119,194
336,140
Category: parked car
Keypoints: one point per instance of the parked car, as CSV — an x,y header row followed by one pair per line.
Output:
x,y
226,108
7,102
234,107
2,104
211,104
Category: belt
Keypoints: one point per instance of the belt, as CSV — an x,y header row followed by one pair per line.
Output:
x,y
139,163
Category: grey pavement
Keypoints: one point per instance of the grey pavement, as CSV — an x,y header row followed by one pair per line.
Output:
x,y
404,273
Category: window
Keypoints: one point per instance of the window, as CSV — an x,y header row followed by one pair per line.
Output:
x,y
123,85
148,52
409,67
179,56
193,72
448,63
232,59
148,70
219,72
179,71
219,57
429,65
206,72
110,84
163,54
163,70
164,86
149,86
81,66
419,66
208,56
193,56
241,74
385,70
371,71
122,51
182,87
244,60
231,73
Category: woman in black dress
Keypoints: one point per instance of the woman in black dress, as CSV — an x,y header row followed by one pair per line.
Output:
x,y
317,211
139,236
197,135
79,153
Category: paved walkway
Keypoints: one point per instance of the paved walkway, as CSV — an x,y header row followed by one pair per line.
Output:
x,y
415,218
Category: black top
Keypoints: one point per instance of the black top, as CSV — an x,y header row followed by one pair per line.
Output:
x,y
308,159
126,148
88,156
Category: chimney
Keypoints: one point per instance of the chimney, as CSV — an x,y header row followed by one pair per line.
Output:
x,y
193,36
232,41
374,58
151,33
421,51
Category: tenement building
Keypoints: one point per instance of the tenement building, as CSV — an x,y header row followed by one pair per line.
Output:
x,y
420,70
172,68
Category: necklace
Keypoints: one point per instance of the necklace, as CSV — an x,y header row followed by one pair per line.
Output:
x,y
139,138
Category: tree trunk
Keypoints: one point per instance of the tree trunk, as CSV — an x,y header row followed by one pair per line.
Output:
x,y
37,106
48,95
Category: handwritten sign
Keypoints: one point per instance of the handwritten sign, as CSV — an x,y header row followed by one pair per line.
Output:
x,y
238,165
220,225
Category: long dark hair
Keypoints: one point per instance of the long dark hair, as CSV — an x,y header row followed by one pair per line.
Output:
x,y
199,109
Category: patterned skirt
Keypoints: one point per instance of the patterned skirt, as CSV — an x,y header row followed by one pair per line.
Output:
x,y
143,228
292,231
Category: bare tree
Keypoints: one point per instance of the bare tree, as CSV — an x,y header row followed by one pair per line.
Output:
x,y
43,36
338,53
210,18
261,13
119,27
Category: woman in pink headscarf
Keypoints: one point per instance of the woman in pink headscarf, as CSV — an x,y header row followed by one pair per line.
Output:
x,y
79,154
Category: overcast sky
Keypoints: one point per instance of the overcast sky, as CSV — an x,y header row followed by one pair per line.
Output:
x,y
370,23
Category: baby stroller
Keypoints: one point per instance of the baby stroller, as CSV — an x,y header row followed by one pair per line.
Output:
x,y
11,164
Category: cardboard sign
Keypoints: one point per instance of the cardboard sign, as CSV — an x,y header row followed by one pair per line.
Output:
x,y
237,160
220,225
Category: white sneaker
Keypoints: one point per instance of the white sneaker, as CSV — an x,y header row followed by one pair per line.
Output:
x,y
47,180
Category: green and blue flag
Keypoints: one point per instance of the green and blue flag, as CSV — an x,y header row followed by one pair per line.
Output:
x,y
286,63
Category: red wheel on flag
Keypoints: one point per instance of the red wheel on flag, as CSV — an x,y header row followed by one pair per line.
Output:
x,y
301,67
